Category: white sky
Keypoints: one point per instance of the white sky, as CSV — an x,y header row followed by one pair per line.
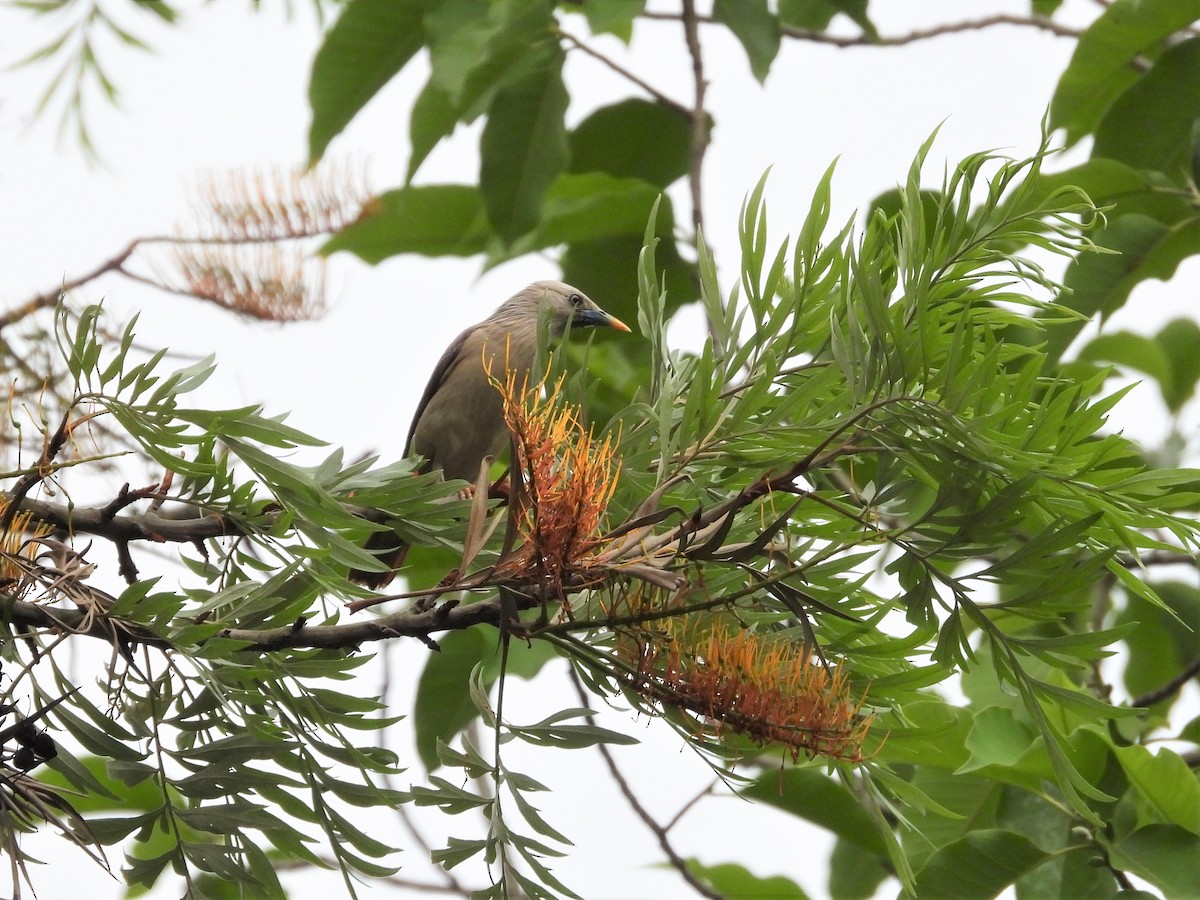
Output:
x,y
227,89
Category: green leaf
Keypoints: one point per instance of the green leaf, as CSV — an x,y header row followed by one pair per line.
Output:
x,y
1132,351
1100,283
978,866
634,138
432,220
613,16
431,118
853,875
1167,790
996,738
1178,341
588,207
756,27
460,32
809,15
1045,8
812,795
1150,125
602,268
1164,855
524,147
815,15
443,705
476,48
370,42
1101,68
732,880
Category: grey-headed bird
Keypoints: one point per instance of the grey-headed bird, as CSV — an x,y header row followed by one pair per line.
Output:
x,y
459,419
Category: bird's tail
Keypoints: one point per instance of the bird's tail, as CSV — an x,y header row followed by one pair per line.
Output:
x,y
390,550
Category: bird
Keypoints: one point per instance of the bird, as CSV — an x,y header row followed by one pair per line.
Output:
x,y
459,419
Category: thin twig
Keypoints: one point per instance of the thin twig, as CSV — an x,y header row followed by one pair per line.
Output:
x,y
691,34
1170,688
1042,23
690,805
628,75
677,861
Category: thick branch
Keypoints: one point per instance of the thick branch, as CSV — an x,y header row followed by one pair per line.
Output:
x,y
450,616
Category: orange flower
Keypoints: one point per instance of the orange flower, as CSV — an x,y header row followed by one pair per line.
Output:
x,y
764,688
568,480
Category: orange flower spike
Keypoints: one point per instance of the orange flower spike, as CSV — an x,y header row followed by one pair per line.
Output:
x,y
570,477
756,686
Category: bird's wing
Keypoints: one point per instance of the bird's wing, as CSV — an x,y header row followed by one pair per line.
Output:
x,y
436,379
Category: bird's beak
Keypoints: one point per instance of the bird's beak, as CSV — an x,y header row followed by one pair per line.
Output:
x,y
597,317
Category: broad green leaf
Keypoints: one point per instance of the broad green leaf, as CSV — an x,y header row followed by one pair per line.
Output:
x,y
1178,341
613,16
1100,283
588,207
460,32
1132,351
370,42
813,795
854,875
524,147
634,138
476,48
1044,7
432,117
815,15
978,866
953,805
1164,855
1167,790
756,27
1101,68
732,880
432,220
1160,645
1150,125
996,738
443,705
1070,871
810,15
1105,181
602,268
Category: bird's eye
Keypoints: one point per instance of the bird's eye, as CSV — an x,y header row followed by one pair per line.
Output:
x,y
575,299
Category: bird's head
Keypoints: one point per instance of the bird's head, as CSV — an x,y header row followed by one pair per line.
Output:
x,y
562,304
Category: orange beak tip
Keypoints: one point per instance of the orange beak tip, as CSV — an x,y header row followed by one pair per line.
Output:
x,y
614,322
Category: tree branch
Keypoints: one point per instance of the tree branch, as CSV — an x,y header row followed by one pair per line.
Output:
x,y
1042,23
147,526
691,33
449,616
1170,688
664,842
627,74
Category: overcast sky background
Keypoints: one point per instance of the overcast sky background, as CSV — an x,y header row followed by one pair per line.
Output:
x,y
226,89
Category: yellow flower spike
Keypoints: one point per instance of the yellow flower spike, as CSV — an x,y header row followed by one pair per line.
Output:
x,y
17,536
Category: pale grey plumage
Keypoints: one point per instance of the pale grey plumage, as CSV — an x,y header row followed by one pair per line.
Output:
x,y
459,418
